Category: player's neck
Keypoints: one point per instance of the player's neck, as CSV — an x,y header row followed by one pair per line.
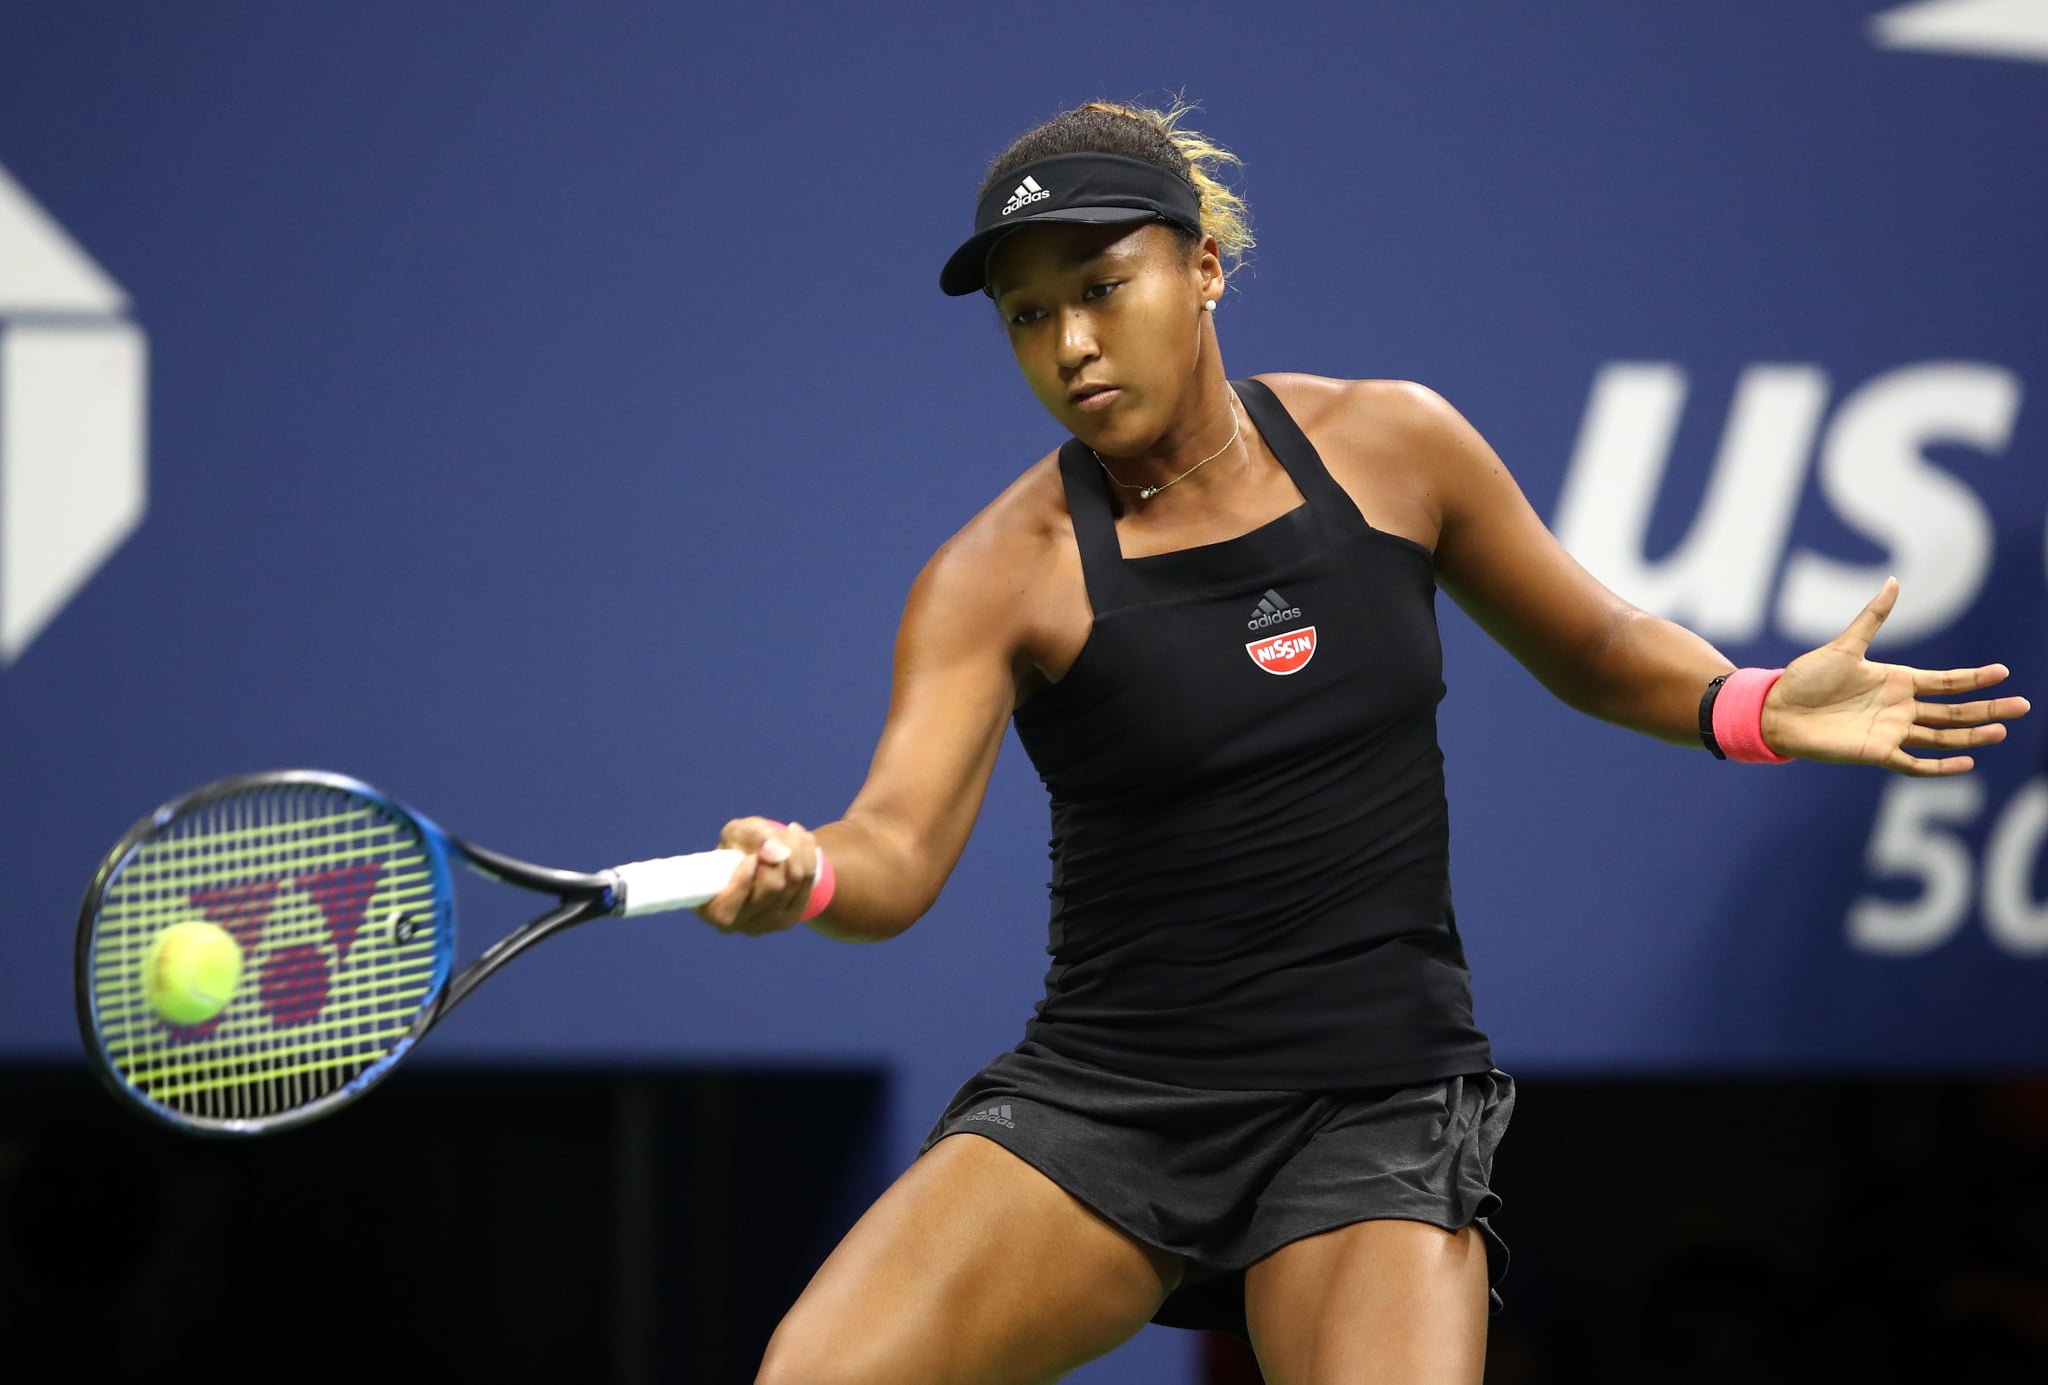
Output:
x,y
1201,451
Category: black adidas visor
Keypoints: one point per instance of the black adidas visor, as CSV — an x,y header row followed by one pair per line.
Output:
x,y
1088,189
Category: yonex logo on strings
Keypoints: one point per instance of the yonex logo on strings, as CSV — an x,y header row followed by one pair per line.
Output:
x,y
999,1114
1272,610
302,953
1027,192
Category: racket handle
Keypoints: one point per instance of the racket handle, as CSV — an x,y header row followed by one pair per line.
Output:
x,y
684,882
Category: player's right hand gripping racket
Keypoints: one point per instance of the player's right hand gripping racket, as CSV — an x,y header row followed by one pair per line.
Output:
x,y
340,904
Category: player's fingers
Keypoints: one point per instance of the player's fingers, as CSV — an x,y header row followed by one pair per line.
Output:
x,y
1929,767
790,865
769,892
746,834
783,877
723,909
764,905
1953,738
1970,713
1862,630
778,867
803,860
1932,682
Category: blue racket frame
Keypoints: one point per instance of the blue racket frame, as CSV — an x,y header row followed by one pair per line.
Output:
x,y
582,897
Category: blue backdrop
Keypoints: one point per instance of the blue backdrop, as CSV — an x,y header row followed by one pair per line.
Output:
x,y
546,408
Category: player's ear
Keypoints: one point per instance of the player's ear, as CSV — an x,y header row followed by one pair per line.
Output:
x,y
1208,269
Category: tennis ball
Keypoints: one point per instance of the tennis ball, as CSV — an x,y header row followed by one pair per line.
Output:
x,y
190,971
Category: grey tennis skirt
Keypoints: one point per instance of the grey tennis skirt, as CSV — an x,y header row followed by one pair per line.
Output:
x,y
1226,1178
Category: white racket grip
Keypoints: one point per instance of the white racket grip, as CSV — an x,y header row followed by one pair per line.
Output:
x,y
675,882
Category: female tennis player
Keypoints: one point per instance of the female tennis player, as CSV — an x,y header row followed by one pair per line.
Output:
x,y
1254,1097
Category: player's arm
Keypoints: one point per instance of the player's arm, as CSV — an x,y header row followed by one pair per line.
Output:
x,y
951,701
1606,657
1498,561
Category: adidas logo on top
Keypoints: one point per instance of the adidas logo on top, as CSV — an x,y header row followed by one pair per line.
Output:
x,y
1272,610
999,1114
1027,192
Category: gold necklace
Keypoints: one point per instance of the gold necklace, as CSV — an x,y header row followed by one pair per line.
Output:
x,y
1147,492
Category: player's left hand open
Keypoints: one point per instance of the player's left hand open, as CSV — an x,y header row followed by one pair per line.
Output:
x,y
1834,704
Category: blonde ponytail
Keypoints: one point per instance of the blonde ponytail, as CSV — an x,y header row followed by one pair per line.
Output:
x,y
1225,214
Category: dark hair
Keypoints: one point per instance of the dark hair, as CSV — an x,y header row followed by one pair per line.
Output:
x,y
1155,137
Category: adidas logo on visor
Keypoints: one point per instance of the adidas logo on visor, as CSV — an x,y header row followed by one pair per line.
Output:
x,y
1027,192
1272,610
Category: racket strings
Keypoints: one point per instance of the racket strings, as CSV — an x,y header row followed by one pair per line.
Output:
x,y
340,911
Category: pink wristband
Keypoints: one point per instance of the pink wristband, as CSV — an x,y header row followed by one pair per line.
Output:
x,y
821,888
1739,716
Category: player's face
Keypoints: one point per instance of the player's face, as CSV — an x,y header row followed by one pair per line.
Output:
x,y
1091,306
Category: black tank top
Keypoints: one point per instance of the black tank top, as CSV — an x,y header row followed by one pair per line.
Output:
x,y
1250,844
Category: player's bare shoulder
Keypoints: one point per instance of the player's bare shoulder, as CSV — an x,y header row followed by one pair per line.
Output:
x,y
1367,415
1385,442
997,554
991,582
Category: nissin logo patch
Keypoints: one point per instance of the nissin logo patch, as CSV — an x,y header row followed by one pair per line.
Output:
x,y
1288,653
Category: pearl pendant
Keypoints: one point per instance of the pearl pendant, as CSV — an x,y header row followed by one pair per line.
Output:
x,y
1147,492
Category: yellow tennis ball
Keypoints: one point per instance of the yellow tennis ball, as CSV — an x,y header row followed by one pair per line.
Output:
x,y
190,971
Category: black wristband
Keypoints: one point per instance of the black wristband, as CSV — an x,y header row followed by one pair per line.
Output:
x,y
1707,717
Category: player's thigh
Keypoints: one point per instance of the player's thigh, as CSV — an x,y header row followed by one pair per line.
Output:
x,y
973,1268
1373,1303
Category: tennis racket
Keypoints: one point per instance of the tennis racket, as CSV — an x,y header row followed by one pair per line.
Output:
x,y
341,903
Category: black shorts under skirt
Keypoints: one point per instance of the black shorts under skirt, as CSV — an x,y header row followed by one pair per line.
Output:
x,y
1225,1178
